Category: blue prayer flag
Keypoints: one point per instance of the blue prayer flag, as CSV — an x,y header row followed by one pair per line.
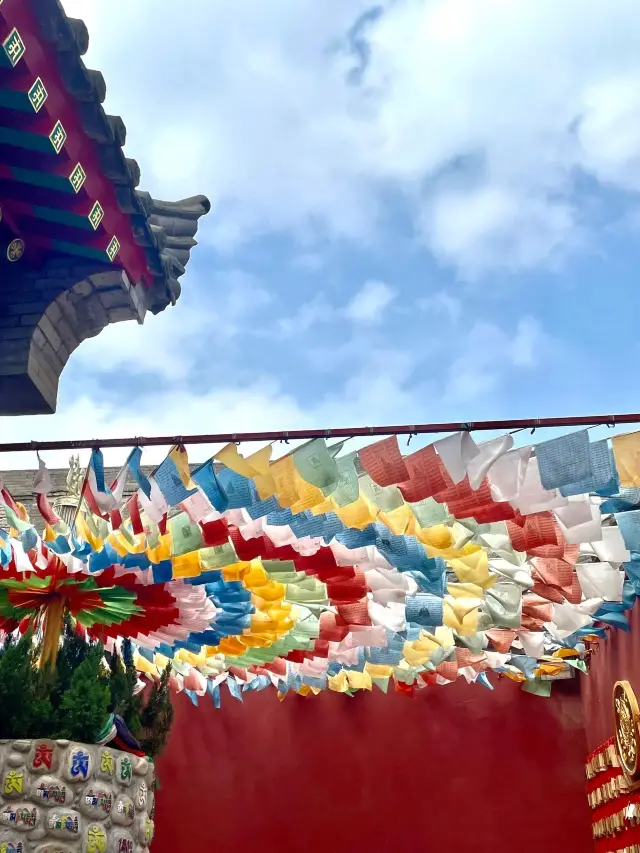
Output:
x,y
565,460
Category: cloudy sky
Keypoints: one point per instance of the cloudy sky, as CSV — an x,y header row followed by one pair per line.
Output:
x,y
422,210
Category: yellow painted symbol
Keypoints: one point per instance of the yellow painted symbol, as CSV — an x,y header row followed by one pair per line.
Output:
x,y
58,137
113,248
96,215
14,47
77,178
37,95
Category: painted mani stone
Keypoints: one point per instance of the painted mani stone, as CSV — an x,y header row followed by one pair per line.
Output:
x,y
44,757
62,797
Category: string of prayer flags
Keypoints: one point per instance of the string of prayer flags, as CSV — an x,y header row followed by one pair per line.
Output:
x,y
331,570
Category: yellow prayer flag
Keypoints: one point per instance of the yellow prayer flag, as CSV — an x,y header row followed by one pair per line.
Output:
x,y
338,682
260,460
160,661
358,514
191,658
144,665
465,590
461,615
86,534
309,496
186,566
414,655
378,670
359,680
235,571
252,466
400,521
178,456
474,568
284,475
162,551
444,636
230,457
439,536
626,451
327,505
266,486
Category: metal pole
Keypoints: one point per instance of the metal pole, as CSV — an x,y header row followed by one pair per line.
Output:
x,y
342,432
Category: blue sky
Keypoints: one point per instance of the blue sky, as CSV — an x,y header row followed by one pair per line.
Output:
x,y
423,210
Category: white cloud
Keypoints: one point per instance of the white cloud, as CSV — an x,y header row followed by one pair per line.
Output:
x,y
165,344
482,112
442,302
370,302
473,228
488,356
309,314
382,385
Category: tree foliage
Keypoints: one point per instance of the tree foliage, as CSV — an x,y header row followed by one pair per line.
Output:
x,y
76,699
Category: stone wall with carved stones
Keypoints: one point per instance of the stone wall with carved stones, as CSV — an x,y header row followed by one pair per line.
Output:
x,y
63,797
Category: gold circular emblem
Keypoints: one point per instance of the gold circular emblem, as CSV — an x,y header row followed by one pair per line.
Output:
x,y
15,250
626,715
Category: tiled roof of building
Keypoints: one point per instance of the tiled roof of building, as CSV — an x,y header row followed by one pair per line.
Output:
x,y
20,484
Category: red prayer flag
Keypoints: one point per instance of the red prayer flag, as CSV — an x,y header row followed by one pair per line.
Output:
x,y
427,475
215,532
502,638
538,529
448,669
355,613
46,510
134,514
383,462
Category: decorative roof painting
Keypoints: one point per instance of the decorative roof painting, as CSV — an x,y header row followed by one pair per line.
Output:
x,y
78,241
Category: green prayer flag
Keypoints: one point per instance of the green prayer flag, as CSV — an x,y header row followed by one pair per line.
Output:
x,y
386,498
347,490
538,687
185,536
428,512
218,557
316,465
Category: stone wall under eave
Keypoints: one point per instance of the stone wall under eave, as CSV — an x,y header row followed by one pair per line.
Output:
x,y
44,315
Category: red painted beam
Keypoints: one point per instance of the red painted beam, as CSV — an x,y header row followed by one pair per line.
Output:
x,y
41,62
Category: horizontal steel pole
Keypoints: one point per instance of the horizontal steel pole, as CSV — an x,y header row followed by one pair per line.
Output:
x,y
342,432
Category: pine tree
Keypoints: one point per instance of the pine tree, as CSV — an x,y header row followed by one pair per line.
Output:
x,y
25,707
157,716
74,700
72,653
84,709
132,705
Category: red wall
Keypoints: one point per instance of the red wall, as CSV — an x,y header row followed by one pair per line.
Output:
x,y
617,659
457,769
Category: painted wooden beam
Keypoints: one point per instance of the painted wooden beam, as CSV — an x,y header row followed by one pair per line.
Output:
x,y
25,52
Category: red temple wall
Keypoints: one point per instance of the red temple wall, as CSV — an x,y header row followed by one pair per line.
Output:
x,y
456,769
616,659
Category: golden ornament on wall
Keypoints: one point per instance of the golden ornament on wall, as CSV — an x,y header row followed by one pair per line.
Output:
x,y
626,715
15,250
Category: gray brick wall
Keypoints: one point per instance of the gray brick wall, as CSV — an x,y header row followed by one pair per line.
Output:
x,y
45,313
20,484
